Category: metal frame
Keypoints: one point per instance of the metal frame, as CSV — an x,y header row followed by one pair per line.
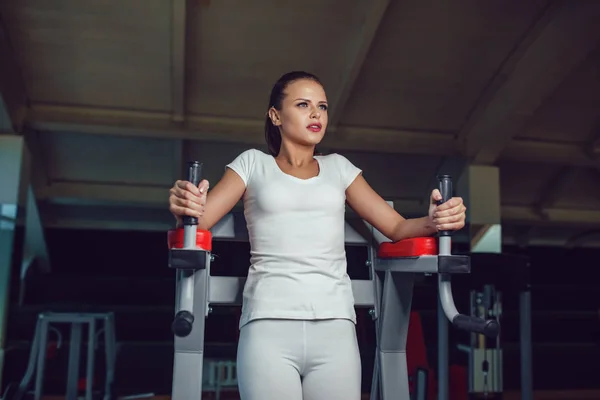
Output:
x,y
37,356
388,293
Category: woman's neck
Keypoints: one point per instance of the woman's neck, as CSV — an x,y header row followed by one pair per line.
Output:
x,y
294,155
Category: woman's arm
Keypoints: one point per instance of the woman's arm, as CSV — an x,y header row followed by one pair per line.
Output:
x,y
209,208
372,208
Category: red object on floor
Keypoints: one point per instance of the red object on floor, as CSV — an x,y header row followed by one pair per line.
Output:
x,y
82,384
457,382
416,355
51,350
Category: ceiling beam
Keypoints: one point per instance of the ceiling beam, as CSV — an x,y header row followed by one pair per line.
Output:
x,y
13,95
553,216
154,197
50,118
551,153
565,34
582,238
178,58
98,193
554,189
359,53
595,147
592,147
44,117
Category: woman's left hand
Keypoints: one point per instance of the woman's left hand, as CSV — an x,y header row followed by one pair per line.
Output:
x,y
448,216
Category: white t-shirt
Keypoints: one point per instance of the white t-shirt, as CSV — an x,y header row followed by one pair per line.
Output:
x,y
297,242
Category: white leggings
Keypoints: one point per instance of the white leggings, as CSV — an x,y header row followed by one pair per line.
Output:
x,y
299,360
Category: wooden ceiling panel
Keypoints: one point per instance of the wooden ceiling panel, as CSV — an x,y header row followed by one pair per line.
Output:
x,y
432,59
113,54
572,113
238,49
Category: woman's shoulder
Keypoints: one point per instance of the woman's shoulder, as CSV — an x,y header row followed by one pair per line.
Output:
x,y
334,158
253,154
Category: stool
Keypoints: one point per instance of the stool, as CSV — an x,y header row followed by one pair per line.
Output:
x,y
37,356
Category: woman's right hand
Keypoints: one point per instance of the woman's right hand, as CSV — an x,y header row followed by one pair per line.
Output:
x,y
187,199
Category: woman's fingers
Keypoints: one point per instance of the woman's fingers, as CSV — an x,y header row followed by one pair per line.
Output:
x,y
451,227
183,211
186,199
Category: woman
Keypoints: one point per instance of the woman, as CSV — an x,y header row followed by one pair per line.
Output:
x,y
297,335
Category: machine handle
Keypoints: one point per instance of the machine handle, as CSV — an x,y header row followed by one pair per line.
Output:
x,y
445,187
489,328
194,176
184,318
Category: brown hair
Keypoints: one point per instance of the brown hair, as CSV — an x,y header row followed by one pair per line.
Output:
x,y
272,132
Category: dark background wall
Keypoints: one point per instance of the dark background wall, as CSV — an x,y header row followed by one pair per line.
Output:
x,y
126,272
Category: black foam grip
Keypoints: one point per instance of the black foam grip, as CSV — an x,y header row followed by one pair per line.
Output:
x,y
183,323
489,328
194,176
445,187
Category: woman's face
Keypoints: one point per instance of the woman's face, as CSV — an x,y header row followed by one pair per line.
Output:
x,y
303,115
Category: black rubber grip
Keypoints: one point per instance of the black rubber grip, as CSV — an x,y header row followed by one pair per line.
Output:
x,y
182,323
194,176
445,187
489,328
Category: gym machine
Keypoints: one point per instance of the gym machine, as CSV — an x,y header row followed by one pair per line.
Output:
x,y
498,274
485,356
388,294
393,270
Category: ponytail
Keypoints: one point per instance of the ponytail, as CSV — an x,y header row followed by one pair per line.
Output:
x,y
272,137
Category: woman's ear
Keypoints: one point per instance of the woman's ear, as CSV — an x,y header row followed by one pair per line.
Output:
x,y
274,115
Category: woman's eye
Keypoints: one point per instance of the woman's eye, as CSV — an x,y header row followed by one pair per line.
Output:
x,y
323,107
302,104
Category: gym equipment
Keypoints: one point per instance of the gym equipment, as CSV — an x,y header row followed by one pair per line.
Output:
x,y
388,293
393,271
485,354
39,347
498,274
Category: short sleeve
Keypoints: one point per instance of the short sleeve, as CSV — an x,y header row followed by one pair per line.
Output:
x,y
243,165
348,171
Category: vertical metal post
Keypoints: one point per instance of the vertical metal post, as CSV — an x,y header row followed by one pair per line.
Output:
x,y
377,288
443,358
525,344
110,353
472,343
74,355
91,352
41,358
443,361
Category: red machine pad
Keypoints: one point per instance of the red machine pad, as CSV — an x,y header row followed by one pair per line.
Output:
x,y
415,247
203,239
